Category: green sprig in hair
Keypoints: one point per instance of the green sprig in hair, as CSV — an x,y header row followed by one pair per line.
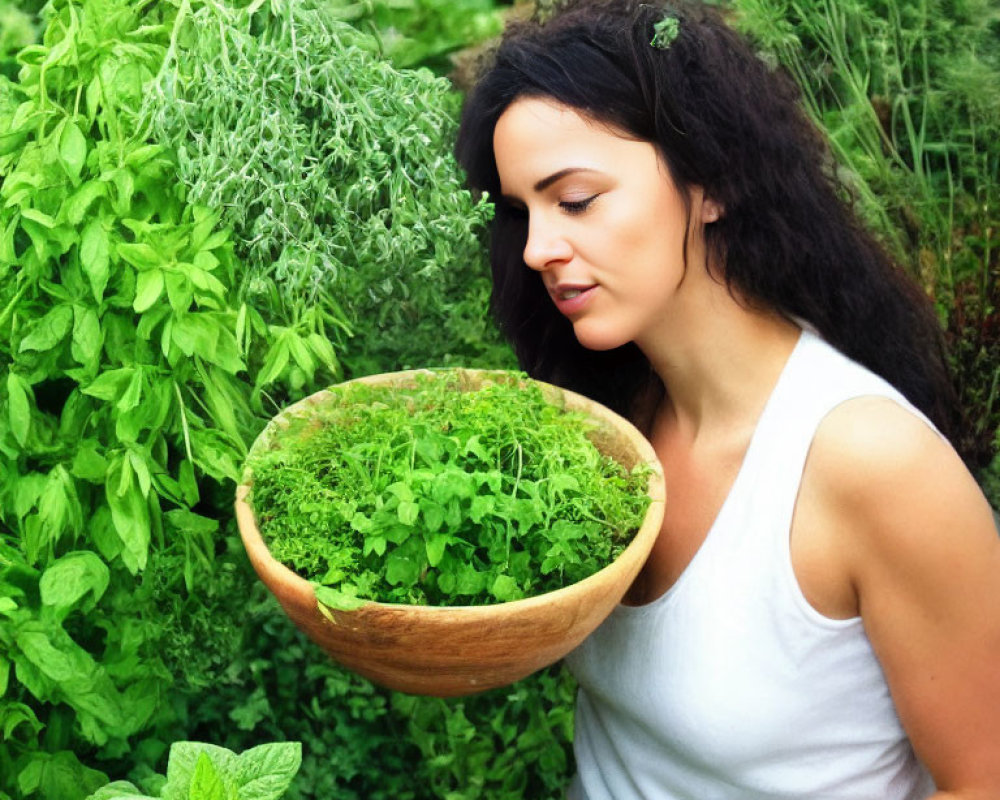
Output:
x,y
665,32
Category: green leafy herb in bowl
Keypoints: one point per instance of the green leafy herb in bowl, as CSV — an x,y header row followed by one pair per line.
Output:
x,y
474,498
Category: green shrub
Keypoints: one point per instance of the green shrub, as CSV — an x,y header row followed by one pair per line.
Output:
x,y
198,771
336,175
136,375
909,92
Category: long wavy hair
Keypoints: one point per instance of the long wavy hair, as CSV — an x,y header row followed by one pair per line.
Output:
x,y
788,240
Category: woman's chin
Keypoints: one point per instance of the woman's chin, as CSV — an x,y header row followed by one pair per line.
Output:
x,y
594,338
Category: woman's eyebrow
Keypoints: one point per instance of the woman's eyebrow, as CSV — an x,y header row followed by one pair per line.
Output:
x,y
547,181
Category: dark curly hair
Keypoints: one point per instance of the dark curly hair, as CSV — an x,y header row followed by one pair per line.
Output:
x,y
723,120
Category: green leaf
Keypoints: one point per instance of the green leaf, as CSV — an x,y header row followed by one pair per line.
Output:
x,y
111,384
119,790
433,514
59,658
178,291
324,351
215,455
274,364
50,330
140,466
207,783
130,514
189,485
195,334
132,394
87,337
505,588
140,255
151,319
436,545
94,256
8,255
482,506
104,535
183,762
13,715
72,150
89,464
78,204
148,288
361,523
266,772
185,520
40,217
19,407
71,577
408,512
336,599
402,568
56,776
226,353
475,446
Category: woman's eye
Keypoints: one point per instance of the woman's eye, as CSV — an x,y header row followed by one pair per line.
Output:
x,y
577,206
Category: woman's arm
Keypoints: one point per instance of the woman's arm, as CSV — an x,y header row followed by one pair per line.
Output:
x,y
923,555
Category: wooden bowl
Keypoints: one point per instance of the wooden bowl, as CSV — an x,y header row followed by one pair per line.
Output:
x,y
461,650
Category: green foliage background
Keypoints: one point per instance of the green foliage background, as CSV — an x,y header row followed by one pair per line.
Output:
x,y
184,250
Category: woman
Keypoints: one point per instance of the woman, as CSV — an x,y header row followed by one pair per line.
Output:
x,y
820,615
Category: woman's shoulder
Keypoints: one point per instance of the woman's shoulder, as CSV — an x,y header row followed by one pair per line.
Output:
x,y
871,435
891,481
917,542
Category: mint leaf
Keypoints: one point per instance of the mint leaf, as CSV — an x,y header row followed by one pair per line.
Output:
x,y
208,784
73,576
119,790
265,772
336,599
183,763
50,330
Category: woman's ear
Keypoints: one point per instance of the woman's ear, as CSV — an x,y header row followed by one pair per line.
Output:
x,y
711,211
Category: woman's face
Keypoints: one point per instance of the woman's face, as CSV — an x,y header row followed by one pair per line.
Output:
x,y
606,224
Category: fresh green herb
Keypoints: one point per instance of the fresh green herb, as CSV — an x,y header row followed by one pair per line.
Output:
x,y
335,172
442,495
199,771
665,31
424,33
909,94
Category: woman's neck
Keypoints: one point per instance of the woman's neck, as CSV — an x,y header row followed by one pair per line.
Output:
x,y
719,361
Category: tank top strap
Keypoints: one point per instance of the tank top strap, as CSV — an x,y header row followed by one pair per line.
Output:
x,y
816,379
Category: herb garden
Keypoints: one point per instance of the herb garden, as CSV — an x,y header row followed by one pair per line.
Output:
x,y
211,209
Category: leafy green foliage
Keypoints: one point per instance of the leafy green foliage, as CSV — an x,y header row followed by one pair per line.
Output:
x,y
17,30
442,494
909,92
336,176
423,33
198,771
478,747
363,742
134,377
121,391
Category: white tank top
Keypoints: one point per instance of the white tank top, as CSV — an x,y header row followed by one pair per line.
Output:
x,y
731,685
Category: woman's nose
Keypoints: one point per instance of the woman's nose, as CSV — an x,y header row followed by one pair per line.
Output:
x,y
545,246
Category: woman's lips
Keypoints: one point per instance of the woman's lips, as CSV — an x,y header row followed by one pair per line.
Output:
x,y
572,299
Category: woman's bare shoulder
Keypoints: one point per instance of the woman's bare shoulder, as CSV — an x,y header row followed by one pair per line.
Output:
x,y
879,465
918,540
